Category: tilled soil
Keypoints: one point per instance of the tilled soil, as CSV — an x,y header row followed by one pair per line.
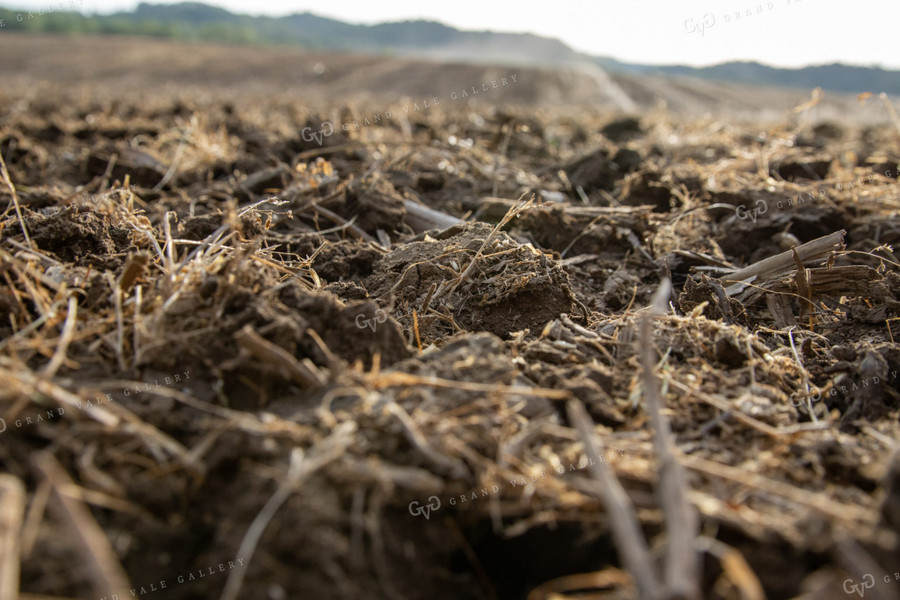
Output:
x,y
240,361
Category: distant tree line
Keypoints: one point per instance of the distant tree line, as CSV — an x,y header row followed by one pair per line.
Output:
x,y
199,22
194,21
69,22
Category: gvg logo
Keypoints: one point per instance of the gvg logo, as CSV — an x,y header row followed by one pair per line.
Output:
x,y
691,26
327,127
708,20
868,582
761,207
416,509
742,213
318,136
380,317
434,503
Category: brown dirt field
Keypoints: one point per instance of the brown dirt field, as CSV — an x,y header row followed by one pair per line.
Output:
x,y
246,354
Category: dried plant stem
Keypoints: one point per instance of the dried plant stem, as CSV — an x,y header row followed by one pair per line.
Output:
x,y
301,468
513,212
682,566
271,354
735,567
12,508
778,265
455,467
65,339
396,379
891,110
107,575
851,516
625,525
12,190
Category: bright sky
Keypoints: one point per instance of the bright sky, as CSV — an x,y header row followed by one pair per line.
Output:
x,y
776,32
